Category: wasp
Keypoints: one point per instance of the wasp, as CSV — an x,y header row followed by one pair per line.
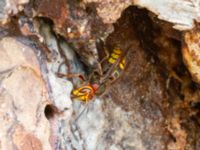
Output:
x,y
112,64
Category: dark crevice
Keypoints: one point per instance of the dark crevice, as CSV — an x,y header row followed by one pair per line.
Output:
x,y
157,79
50,111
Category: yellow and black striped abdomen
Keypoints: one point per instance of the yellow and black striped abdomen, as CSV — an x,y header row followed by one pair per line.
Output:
x,y
116,54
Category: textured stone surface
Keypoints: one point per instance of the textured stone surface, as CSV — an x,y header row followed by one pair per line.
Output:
x,y
181,13
155,106
76,22
191,53
2,7
23,97
10,8
110,10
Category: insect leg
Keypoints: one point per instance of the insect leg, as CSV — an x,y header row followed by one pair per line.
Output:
x,y
82,112
71,75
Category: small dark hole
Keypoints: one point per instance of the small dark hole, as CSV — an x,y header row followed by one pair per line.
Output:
x,y
193,86
195,105
91,8
50,111
182,97
172,137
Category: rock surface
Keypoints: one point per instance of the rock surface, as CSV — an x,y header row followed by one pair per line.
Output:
x,y
154,106
23,98
10,7
182,15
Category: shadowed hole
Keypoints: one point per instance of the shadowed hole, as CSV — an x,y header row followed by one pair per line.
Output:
x,y
50,110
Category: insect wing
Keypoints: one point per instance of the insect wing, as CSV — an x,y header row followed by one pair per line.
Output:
x,y
101,50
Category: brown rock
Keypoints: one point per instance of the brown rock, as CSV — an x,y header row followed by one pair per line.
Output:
x,y
77,22
110,10
25,141
191,55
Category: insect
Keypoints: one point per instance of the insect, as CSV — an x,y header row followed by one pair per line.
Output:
x,y
85,92
112,65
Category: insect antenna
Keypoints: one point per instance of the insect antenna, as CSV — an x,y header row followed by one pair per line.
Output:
x,y
82,112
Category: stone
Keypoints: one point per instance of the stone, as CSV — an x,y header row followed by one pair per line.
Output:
x,y
23,97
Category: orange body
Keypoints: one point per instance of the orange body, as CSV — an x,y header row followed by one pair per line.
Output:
x,y
115,63
85,93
